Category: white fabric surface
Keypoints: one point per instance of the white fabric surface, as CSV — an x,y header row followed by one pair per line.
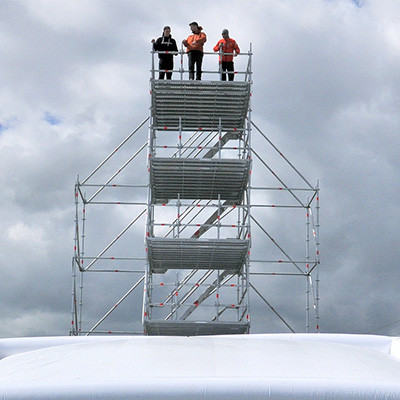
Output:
x,y
214,367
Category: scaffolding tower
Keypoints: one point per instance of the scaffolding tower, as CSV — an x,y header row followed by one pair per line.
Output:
x,y
197,212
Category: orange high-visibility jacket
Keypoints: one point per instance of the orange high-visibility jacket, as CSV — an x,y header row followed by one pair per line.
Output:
x,y
200,38
228,46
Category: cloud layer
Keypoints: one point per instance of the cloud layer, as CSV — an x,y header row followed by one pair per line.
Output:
x,y
74,83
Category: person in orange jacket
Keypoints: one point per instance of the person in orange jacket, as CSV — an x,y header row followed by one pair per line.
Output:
x,y
227,45
194,44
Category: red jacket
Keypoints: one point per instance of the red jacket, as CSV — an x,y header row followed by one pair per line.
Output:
x,y
200,38
228,46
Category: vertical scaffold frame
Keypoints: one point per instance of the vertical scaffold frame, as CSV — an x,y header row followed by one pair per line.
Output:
x,y
197,272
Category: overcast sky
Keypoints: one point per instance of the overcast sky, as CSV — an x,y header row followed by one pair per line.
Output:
x,y
74,83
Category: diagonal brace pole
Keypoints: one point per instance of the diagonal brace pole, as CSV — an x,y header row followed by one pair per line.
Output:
x,y
272,308
281,154
277,177
277,245
116,238
117,304
116,173
111,154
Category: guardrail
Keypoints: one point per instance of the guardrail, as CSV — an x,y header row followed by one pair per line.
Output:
x,y
243,71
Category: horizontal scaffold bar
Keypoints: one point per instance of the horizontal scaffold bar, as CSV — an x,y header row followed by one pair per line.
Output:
x,y
182,304
190,284
198,129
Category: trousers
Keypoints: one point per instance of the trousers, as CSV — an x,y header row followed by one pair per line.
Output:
x,y
195,59
168,64
227,66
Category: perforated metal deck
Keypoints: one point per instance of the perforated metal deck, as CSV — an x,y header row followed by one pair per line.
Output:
x,y
166,253
198,178
198,328
200,104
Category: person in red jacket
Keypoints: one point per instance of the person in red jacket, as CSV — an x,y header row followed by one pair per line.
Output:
x,y
194,44
227,45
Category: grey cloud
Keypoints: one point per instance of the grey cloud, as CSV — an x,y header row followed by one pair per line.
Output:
x,y
326,91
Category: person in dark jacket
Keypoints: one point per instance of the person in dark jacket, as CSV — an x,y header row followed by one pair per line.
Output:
x,y
165,43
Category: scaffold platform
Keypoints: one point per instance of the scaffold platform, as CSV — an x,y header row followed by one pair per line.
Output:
x,y
171,253
199,105
198,328
191,178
